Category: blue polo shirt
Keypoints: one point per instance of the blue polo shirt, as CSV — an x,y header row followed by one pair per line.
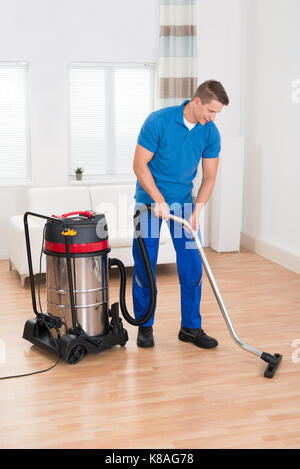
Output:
x,y
176,153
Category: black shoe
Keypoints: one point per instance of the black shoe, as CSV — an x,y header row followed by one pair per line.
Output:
x,y
145,336
197,337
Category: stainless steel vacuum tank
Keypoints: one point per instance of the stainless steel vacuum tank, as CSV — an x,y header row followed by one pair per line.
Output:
x,y
89,250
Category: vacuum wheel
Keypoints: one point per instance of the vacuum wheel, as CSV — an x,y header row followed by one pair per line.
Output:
x,y
76,354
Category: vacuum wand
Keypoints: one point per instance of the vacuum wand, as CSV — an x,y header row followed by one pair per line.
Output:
x,y
272,360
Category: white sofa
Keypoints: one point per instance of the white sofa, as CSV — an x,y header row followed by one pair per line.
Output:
x,y
116,202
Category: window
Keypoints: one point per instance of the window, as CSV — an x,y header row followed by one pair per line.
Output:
x,y
14,135
108,105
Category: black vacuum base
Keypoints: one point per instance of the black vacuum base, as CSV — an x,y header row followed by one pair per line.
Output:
x,y
72,348
273,363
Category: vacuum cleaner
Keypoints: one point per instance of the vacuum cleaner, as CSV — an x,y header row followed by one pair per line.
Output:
x,y
79,319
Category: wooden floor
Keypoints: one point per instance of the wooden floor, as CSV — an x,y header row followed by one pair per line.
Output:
x,y
174,395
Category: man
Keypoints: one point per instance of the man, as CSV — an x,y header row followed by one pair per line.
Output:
x,y
169,148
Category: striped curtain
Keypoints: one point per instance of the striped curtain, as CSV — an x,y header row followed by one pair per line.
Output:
x,y
178,51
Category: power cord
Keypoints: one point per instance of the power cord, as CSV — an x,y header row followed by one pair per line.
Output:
x,y
42,317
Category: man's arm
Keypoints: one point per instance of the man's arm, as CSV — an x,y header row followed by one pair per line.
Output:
x,y
209,174
141,159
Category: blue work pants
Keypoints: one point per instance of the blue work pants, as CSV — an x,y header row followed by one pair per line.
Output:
x,y
189,266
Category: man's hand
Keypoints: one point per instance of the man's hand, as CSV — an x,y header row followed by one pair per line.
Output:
x,y
194,219
162,210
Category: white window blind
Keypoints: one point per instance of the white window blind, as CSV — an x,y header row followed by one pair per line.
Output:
x,y
108,105
14,135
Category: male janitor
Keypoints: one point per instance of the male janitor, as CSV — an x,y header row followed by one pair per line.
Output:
x,y
171,143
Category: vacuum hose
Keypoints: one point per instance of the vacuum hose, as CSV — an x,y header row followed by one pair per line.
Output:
x,y
148,268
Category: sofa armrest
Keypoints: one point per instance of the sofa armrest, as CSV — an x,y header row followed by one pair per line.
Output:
x,y
17,245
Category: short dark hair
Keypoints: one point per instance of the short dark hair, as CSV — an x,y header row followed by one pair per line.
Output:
x,y
211,89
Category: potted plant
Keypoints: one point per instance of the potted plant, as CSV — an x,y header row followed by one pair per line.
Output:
x,y
78,172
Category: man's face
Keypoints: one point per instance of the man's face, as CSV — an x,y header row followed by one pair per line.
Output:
x,y
206,112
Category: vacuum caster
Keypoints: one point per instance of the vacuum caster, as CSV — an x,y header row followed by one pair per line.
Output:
x,y
76,354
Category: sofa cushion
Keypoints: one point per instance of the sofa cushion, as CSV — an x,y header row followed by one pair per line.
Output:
x,y
58,200
117,203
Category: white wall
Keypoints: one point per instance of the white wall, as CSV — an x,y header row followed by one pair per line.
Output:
x,y
219,32
251,46
272,123
49,34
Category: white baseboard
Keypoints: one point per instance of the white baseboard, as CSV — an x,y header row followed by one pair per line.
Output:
x,y
3,256
273,253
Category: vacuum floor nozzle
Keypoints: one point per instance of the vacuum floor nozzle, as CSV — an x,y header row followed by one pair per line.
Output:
x,y
273,363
